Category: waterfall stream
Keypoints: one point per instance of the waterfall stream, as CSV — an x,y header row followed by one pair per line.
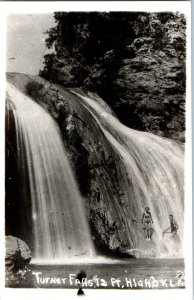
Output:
x,y
60,227
155,169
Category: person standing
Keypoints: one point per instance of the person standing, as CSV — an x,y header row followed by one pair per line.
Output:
x,y
147,221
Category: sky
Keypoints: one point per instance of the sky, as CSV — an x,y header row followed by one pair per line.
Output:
x,y
25,46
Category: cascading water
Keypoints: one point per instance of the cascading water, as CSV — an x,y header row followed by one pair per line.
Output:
x,y
60,227
154,167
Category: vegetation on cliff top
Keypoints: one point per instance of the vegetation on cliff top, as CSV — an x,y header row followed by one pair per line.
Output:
x,y
134,61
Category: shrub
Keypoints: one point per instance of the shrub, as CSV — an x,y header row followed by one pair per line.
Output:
x,y
33,89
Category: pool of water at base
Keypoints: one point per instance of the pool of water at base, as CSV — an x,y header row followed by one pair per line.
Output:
x,y
124,274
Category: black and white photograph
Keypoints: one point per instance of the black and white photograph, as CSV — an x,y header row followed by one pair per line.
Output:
x,y
95,139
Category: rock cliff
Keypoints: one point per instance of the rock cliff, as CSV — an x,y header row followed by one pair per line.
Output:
x,y
134,61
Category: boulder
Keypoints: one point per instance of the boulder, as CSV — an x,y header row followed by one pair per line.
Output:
x,y
17,257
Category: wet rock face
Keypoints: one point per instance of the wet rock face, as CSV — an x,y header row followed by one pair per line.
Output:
x,y
139,72
108,238
18,256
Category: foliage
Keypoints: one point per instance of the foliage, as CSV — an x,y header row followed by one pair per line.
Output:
x,y
86,37
33,89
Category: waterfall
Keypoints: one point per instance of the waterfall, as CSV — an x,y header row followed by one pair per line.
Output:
x,y
151,171
155,171
60,228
